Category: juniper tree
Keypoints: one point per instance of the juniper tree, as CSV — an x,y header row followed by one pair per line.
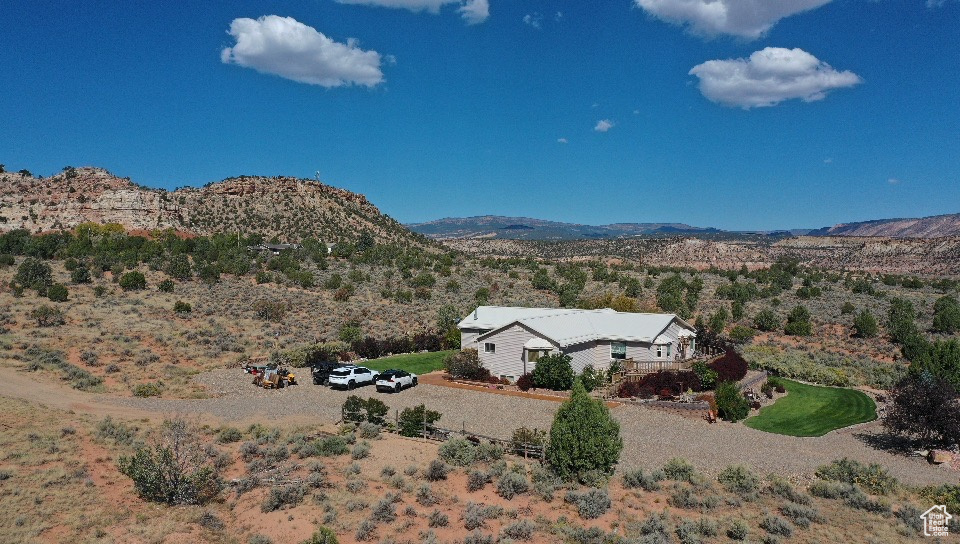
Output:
x,y
584,437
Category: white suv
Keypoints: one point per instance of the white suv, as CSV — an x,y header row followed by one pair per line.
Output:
x,y
349,377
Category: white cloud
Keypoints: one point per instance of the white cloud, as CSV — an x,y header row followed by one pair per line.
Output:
x,y
561,140
533,19
433,6
828,160
290,49
936,3
746,18
472,11
603,125
769,77
893,181
475,11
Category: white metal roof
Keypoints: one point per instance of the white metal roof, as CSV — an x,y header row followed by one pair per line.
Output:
x,y
491,317
538,343
568,327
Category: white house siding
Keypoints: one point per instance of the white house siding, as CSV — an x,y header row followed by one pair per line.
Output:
x,y
468,338
508,358
582,355
640,351
673,332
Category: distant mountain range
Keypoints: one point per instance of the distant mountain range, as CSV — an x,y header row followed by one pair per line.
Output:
x,y
525,228
925,227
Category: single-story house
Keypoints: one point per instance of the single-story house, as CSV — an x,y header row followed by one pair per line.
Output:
x,y
511,339
275,249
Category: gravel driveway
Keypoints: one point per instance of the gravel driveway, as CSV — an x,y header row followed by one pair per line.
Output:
x,y
650,437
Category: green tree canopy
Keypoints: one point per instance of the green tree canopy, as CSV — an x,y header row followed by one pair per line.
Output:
x,y
554,372
865,325
798,322
946,315
584,437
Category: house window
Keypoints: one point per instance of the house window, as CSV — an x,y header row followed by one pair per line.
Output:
x,y
489,347
659,351
618,350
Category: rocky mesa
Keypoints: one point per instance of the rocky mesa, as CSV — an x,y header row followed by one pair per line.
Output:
x,y
287,208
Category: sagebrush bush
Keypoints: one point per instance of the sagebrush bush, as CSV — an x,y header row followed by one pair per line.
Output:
x,y
323,535
477,537
329,446
687,532
739,479
783,489
368,430
437,519
590,504
679,469
488,451
425,495
458,451
801,515
229,435
685,497
739,530
475,516
708,527
437,470
287,495
476,480
360,451
776,525
833,490
639,478
385,511
366,530
873,477
521,530
512,484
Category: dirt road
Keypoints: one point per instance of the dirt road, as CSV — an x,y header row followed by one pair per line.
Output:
x,y
650,437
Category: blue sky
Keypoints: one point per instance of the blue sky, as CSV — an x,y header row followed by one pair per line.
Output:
x,y
739,114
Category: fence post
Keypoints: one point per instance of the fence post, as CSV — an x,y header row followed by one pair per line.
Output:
x,y
424,422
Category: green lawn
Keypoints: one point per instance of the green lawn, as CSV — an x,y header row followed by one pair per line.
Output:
x,y
418,363
810,410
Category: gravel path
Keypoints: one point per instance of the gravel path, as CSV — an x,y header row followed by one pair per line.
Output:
x,y
650,437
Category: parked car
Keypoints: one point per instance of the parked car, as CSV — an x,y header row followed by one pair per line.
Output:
x,y
351,376
321,371
395,380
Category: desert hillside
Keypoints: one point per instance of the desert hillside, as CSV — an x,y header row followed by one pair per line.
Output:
x,y
924,227
288,208
926,257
